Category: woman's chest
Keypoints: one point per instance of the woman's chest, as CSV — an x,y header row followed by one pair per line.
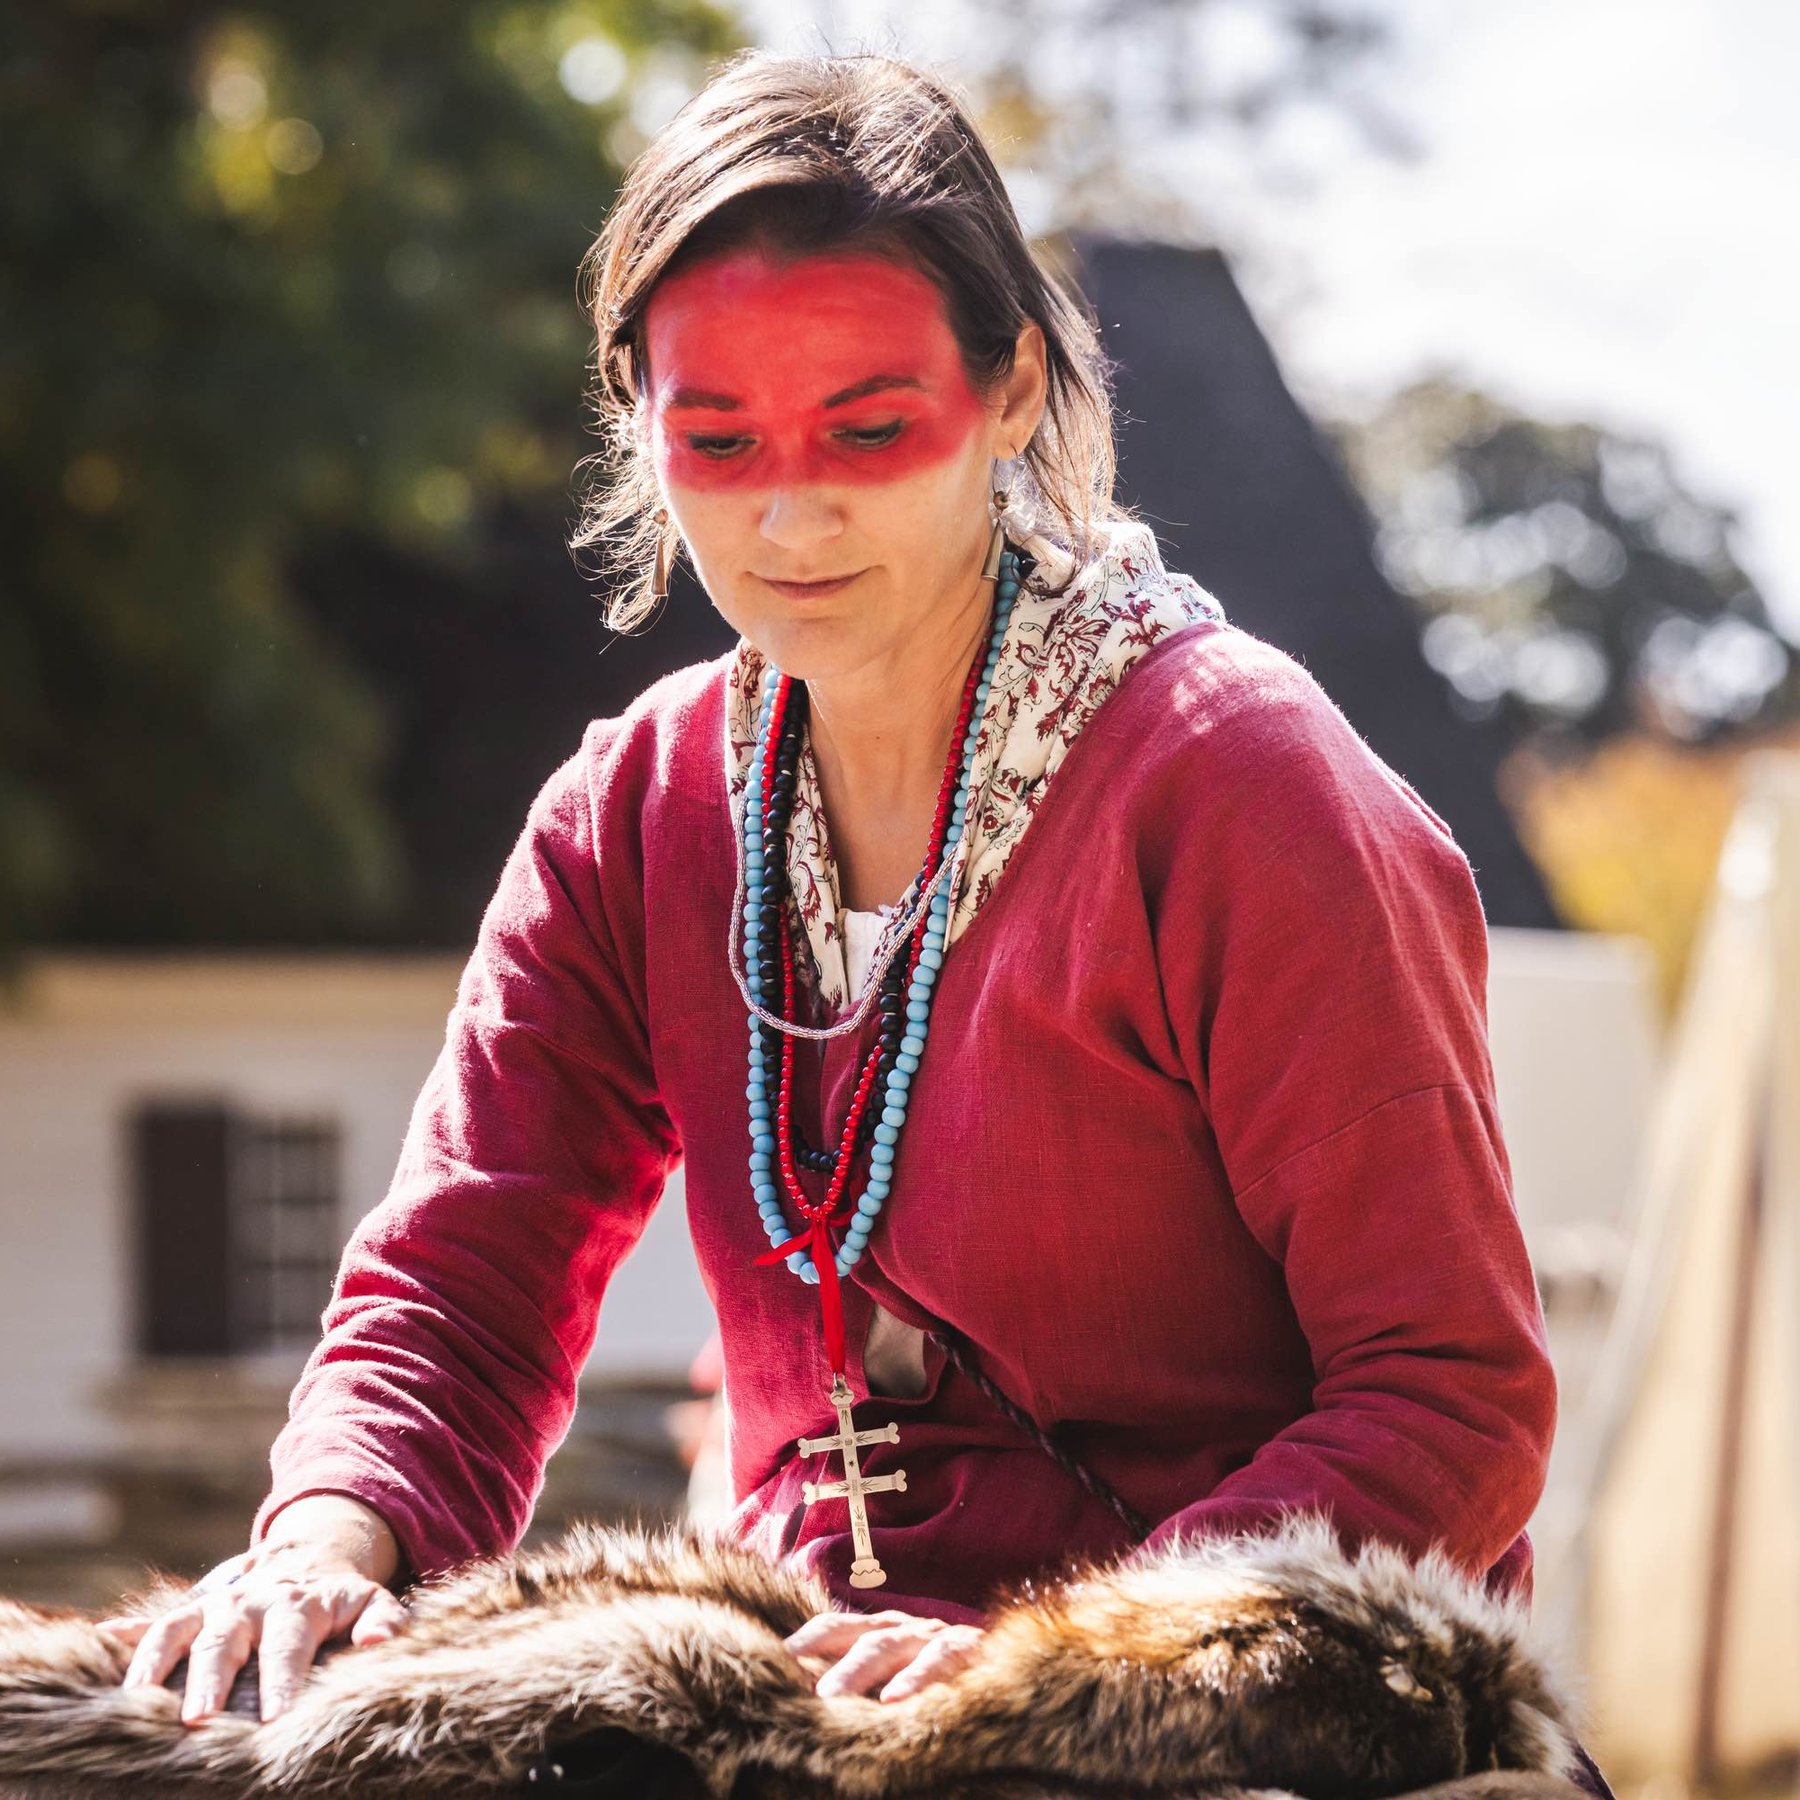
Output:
x,y
1056,1191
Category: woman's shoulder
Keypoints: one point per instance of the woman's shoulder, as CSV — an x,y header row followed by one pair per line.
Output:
x,y
1244,728
1214,678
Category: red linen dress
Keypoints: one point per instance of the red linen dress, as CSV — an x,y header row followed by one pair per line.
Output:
x,y
1202,1159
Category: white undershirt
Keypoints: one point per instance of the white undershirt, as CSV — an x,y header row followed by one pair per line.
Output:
x,y
894,1352
862,931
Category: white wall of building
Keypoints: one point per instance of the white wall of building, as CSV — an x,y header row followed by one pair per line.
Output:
x,y
1575,1036
85,1039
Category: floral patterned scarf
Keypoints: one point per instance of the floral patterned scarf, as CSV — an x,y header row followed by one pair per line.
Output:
x,y
1066,649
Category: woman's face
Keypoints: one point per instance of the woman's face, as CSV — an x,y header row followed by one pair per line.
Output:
x,y
810,418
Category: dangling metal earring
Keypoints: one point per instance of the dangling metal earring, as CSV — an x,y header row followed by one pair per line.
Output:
x,y
659,580
990,568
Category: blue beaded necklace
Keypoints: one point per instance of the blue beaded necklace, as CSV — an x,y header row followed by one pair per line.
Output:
x,y
903,984
906,1019
761,928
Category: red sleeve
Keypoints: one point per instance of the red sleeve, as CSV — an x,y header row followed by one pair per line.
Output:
x,y
1325,948
466,1301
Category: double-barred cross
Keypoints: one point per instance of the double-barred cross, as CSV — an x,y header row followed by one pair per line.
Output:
x,y
865,1571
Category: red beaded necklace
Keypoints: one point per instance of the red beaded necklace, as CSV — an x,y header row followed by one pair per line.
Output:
x,y
825,1215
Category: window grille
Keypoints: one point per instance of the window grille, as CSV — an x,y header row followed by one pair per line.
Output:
x,y
236,1228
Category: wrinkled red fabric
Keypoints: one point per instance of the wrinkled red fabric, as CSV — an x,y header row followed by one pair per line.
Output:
x,y
1203,1160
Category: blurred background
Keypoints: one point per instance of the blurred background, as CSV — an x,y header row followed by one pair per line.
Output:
x,y
1455,356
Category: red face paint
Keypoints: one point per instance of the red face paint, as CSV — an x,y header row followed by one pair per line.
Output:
x,y
761,373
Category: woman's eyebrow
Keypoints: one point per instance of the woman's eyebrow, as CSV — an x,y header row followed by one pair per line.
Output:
x,y
700,399
876,384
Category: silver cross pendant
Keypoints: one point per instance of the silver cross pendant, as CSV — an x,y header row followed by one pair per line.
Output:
x,y
865,1571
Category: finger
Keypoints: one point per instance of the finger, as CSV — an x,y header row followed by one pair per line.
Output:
x,y
293,1628
873,1660
831,1633
221,1647
164,1643
130,1630
383,1617
944,1658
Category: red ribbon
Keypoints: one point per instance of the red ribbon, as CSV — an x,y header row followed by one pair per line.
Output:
x,y
831,1300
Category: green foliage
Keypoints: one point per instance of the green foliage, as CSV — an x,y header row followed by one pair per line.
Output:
x,y
1568,581
270,272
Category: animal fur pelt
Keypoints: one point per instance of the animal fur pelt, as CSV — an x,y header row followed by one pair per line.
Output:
x,y
641,1665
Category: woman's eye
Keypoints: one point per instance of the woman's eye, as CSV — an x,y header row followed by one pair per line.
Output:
x,y
714,446
866,437
872,437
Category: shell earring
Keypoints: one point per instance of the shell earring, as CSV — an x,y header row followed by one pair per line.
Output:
x,y
659,580
990,568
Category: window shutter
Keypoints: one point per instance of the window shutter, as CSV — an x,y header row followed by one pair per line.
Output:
x,y
182,1157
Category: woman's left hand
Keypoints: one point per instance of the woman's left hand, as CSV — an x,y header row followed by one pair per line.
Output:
x,y
892,1651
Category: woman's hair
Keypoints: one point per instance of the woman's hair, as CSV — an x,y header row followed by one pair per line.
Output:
x,y
807,154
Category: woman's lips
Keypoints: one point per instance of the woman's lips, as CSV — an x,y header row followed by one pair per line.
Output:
x,y
811,590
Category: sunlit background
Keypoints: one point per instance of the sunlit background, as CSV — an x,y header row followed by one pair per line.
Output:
x,y
1456,357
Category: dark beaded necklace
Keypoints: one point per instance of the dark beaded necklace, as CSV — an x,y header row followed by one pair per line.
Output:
x,y
890,997
775,950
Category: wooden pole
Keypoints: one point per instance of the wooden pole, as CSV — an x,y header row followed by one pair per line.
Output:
x,y
1722,1549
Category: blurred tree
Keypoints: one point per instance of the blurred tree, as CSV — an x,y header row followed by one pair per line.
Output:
x,y
271,274
1565,578
1568,584
1629,836
1159,118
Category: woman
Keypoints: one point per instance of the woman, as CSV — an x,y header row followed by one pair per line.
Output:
x,y
1177,1203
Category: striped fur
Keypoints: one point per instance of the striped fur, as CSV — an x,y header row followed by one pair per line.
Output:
x,y
652,1665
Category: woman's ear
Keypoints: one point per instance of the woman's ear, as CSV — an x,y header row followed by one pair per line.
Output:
x,y
1024,392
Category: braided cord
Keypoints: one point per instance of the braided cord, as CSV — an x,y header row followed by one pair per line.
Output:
x,y
957,1351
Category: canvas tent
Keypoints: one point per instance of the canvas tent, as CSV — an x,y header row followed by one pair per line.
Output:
x,y
1673,1554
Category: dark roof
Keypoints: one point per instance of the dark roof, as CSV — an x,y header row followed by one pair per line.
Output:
x,y
1246,496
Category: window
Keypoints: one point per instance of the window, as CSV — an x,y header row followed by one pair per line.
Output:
x,y
284,1204
236,1228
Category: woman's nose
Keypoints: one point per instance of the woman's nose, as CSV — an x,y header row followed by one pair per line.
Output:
x,y
799,517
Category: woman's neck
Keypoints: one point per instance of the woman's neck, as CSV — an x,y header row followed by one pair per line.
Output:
x,y
881,738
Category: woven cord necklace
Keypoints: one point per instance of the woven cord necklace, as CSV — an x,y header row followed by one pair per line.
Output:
x,y
878,1104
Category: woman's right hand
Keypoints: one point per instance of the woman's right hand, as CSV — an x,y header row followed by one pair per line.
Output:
x,y
281,1600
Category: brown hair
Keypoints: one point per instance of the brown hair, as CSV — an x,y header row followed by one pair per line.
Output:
x,y
814,153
